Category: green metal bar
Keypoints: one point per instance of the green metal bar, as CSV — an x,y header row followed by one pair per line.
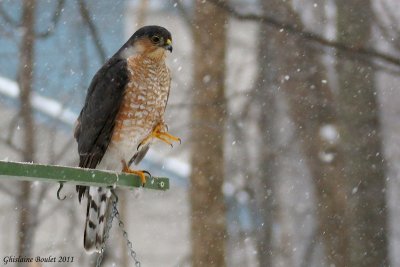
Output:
x,y
48,173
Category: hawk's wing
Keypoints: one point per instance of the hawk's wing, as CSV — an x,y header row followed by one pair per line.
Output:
x,y
97,119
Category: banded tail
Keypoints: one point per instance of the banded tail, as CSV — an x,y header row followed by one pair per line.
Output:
x,y
96,219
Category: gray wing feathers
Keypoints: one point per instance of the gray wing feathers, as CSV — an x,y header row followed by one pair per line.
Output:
x,y
97,118
96,121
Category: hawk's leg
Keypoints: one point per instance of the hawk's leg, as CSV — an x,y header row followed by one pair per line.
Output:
x,y
160,131
141,174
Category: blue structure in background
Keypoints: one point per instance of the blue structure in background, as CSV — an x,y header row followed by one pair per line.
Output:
x,y
65,61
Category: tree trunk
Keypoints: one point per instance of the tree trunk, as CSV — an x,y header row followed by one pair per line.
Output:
x,y
265,101
25,78
301,75
208,229
361,138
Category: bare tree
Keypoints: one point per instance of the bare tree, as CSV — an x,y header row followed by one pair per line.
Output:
x,y
208,228
25,79
361,138
360,52
265,100
29,199
295,67
142,12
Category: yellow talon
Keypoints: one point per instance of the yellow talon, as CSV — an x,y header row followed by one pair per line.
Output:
x,y
141,174
173,138
160,132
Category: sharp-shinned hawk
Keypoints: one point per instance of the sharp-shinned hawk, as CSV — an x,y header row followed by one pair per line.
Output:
x,y
122,114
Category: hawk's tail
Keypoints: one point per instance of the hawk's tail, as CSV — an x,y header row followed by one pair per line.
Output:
x,y
96,218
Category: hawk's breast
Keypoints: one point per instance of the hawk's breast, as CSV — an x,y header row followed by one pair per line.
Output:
x,y
143,104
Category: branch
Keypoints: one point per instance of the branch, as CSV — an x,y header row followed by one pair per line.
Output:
x,y
36,207
10,144
46,214
6,33
54,21
8,18
392,33
393,21
92,28
8,191
8,140
310,36
11,129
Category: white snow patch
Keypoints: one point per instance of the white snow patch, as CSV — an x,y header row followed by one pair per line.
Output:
x,y
206,79
329,133
326,157
242,197
355,190
228,189
9,87
170,164
46,105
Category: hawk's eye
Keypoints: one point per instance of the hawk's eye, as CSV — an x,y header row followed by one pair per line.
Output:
x,y
155,39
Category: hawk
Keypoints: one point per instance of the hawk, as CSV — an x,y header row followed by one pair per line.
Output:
x,y
122,115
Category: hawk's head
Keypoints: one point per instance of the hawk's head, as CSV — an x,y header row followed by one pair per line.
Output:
x,y
151,40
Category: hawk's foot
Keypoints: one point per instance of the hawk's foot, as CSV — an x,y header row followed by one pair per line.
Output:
x,y
141,174
160,131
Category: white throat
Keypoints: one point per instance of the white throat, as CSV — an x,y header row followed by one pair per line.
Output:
x,y
129,51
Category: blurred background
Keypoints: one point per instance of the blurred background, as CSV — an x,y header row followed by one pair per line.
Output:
x,y
288,112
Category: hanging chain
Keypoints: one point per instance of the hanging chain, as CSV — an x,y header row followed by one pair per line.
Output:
x,y
125,235
115,214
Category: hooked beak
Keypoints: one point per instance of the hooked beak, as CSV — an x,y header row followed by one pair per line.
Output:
x,y
168,45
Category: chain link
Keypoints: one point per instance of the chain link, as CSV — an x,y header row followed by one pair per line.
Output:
x,y
115,214
125,235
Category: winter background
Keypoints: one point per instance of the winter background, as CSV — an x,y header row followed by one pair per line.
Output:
x,y
274,199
